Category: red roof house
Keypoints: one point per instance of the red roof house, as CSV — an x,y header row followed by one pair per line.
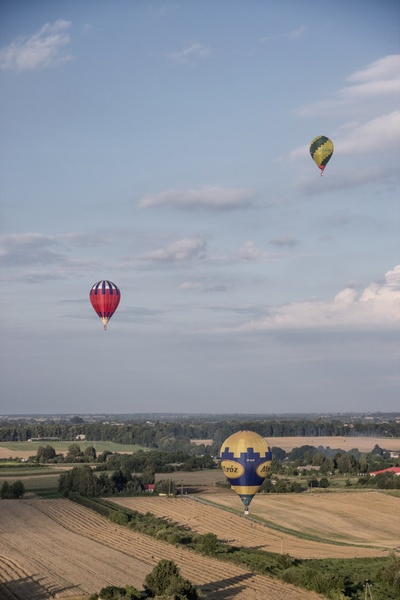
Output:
x,y
395,470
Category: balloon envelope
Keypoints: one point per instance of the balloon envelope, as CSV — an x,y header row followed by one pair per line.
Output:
x,y
105,297
245,459
321,150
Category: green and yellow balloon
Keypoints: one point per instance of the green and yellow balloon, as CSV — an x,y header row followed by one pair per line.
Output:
x,y
321,150
245,460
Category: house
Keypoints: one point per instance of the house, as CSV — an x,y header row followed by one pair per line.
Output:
x,y
395,470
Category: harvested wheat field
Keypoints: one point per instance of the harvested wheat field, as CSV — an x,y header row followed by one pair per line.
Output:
x,y
58,549
364,523
362,443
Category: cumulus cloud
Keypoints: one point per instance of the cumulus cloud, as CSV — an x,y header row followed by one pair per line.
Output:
x,y
46,48
379,79
206,198
378,305
181,250
190,53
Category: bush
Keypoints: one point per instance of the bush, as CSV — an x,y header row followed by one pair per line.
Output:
x,y
15,490
112,592
209,544
166,580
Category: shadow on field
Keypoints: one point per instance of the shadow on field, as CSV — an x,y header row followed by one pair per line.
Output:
x,y
222,589
25,587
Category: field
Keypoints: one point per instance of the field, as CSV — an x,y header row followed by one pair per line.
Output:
x,y
345,525
364,444
55,548
27,449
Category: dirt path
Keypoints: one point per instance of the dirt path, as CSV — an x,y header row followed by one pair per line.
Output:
x,y
57,549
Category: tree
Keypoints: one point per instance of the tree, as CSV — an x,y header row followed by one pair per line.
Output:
x,y
165,486
209,543
81,480
90,454
392,571
45,453
166,580
119,480
5,491
17,489
74,453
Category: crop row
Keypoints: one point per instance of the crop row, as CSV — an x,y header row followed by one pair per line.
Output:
x,y
238,530
211,575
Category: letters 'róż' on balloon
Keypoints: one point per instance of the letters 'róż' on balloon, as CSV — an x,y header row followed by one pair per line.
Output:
x,y
245,459
105,297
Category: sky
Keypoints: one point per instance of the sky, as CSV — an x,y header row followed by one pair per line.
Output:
x,y
164,146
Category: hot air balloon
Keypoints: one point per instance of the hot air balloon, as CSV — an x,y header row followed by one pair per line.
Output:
x,y
105,297
245,459
321,150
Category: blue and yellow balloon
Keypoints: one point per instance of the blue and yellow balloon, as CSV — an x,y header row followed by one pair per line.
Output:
x,y
245,460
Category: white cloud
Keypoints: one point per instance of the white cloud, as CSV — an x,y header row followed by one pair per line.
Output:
x,y
378,305
181,250
296,33
379,79
43,49
251,252
208,197
190,53
379,134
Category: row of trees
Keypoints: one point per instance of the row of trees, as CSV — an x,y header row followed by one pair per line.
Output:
x,y
177,435
329,461
155,460
83,480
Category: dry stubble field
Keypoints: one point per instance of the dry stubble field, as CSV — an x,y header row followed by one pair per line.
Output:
x,y
58,549
365,522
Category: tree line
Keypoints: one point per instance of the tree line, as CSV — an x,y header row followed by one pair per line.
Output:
x,y
174,435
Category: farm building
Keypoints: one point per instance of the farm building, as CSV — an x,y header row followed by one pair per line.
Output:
x,y
395,470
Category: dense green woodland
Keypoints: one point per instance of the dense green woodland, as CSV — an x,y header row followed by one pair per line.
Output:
x,y
175,435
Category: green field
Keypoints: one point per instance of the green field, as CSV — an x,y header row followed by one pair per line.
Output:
x,y
62,447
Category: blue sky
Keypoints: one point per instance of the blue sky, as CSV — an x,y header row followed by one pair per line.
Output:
x,y
165,146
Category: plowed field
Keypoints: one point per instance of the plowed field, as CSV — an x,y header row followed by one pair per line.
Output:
x,y
345,525
57,549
